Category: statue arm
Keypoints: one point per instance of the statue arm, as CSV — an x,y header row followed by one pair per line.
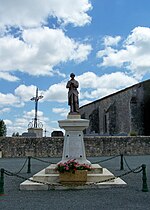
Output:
x,y
76,84
68,84
72,83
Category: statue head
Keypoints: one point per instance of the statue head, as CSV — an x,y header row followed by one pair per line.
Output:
x,y
72,75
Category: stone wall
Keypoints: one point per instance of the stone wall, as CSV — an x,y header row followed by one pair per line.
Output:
x,y
94,146
118,113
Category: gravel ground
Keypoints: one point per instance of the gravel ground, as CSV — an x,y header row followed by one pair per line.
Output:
x,y
111,198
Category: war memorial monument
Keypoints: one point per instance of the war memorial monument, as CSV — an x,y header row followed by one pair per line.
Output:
x,y
74,155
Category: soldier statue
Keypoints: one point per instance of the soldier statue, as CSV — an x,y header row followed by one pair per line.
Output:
x,y
73,100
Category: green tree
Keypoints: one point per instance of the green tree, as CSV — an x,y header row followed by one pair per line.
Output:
x,y
3,129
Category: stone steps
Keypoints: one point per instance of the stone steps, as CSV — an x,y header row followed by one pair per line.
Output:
x,y
54,178
50,179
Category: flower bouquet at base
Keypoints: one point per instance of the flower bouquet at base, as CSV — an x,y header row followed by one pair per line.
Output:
x,y
73,173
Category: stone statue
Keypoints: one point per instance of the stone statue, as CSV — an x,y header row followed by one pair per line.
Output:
x,y
73,100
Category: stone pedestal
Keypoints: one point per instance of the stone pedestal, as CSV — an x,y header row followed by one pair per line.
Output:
x,y
73,141
37,131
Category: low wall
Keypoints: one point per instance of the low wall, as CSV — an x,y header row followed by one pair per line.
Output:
x,y
94,146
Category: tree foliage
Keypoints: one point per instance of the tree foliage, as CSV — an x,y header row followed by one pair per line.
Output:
x,y
3,129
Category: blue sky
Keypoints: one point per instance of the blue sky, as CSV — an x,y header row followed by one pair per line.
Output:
x,y
105,43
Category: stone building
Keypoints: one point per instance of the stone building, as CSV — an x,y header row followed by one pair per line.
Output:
x,y
126,112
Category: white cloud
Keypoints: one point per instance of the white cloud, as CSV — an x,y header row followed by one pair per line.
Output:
x,y
56,92
21,95
81,53
100,86
29,117
39,52
25,93
84,102
9,100
8,122
4,110
110,41
62,111
8,77
20,124
30,114
106,51
92,86
17,125
28,46
34,13
117,80
70,11
134,55
99,93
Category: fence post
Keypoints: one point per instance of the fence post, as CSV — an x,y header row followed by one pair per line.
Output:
x,y
121,162
144,178
2,182
29,165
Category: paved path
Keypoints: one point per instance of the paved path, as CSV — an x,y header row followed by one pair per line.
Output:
x,y
130,197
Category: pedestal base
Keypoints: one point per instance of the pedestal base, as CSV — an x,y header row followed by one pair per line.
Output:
x,y
37,131
49,179
73,141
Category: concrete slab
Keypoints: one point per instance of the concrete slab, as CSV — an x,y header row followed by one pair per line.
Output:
x,y
29,185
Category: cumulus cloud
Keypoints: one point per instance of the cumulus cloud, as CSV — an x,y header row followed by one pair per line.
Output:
x,y
92,86
62,111
17,125
29,45
36,12
56,92
134,54
81,52
9,100
7,76
21,95
100,86
110,41
20,123
25,93
30,115
38,52
116,79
